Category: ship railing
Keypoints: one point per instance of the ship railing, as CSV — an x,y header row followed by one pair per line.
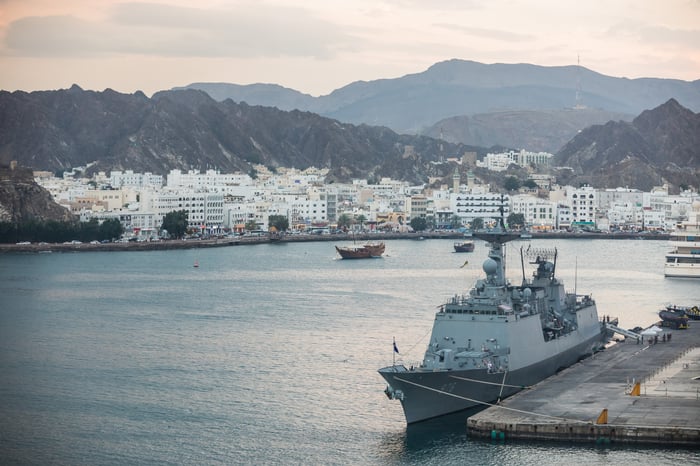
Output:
x,y
483,312
584,300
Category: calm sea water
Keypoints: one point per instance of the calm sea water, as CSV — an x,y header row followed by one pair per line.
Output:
x,y
266,354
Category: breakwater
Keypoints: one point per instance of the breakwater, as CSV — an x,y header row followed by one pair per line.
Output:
x,y
294,238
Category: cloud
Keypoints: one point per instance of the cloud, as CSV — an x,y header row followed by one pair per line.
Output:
x,y
247,30
664,35
501,35
657,35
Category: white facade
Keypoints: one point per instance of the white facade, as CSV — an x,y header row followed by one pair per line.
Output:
x,y
193,179
204,209
483,205
609,197
501,161
495,162
583,204
538,213
119,179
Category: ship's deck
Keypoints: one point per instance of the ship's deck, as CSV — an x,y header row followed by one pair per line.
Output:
x,y
567,406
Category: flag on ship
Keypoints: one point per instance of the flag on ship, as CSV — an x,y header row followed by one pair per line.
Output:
x,y
396,348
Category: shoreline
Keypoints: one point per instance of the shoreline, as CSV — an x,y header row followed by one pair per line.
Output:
x,y
164,245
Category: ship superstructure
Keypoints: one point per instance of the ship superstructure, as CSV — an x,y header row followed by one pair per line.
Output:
x,y
684,259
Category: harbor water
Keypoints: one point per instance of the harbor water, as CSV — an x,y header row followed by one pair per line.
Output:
x,y
267,354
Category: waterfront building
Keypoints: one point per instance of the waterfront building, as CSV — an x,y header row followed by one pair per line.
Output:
x,y
564,217
606,198
205,209
479,203
582,202
675,208
417,206
540,214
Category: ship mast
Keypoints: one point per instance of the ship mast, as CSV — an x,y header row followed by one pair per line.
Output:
x,y
497,238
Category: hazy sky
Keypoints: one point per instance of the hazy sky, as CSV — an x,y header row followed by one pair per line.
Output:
x,y
316,46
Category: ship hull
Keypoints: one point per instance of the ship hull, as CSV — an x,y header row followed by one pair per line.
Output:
x,y
425,395
683,271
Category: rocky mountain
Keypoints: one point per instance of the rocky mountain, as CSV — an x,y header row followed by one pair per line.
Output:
x,y
187,129
533,130
23,200
660,145
414,102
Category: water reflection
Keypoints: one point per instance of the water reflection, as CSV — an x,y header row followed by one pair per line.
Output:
x,y
425,442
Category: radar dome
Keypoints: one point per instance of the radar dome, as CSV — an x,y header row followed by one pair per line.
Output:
x,y
527,292
490,266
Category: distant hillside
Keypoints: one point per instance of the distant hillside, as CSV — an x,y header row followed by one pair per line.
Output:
x,y
187,129
660,145
533,130
58,130
414,102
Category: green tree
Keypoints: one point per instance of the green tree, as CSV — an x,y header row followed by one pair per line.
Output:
x,y
8,232
344,221
361,219
88,230
280,222
530,184
477,223
456,222
418,224
251,225
515,220
511,183
175,223
110,229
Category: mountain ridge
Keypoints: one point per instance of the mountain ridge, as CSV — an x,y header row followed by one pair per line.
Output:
x,y
410,103
58,130
661,145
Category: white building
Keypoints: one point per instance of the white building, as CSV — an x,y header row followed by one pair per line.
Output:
x,y
501,161
479,204
540,214
583,205
193,179
119,179
205,210
609,197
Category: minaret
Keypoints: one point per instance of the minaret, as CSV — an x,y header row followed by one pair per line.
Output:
x,y
470,179
456,181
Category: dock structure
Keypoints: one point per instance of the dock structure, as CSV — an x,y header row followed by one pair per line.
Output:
x,y
635,392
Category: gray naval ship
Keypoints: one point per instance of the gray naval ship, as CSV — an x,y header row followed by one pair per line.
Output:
x,y
499,338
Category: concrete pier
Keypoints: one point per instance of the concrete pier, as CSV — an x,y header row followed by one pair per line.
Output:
x,y
570,406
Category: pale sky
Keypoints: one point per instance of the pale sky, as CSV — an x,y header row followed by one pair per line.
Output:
x,y
316,46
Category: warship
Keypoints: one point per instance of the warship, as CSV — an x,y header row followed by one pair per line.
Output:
x,y
498,338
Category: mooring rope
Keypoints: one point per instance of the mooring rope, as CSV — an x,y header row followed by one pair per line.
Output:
x,y
425,387
491,383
